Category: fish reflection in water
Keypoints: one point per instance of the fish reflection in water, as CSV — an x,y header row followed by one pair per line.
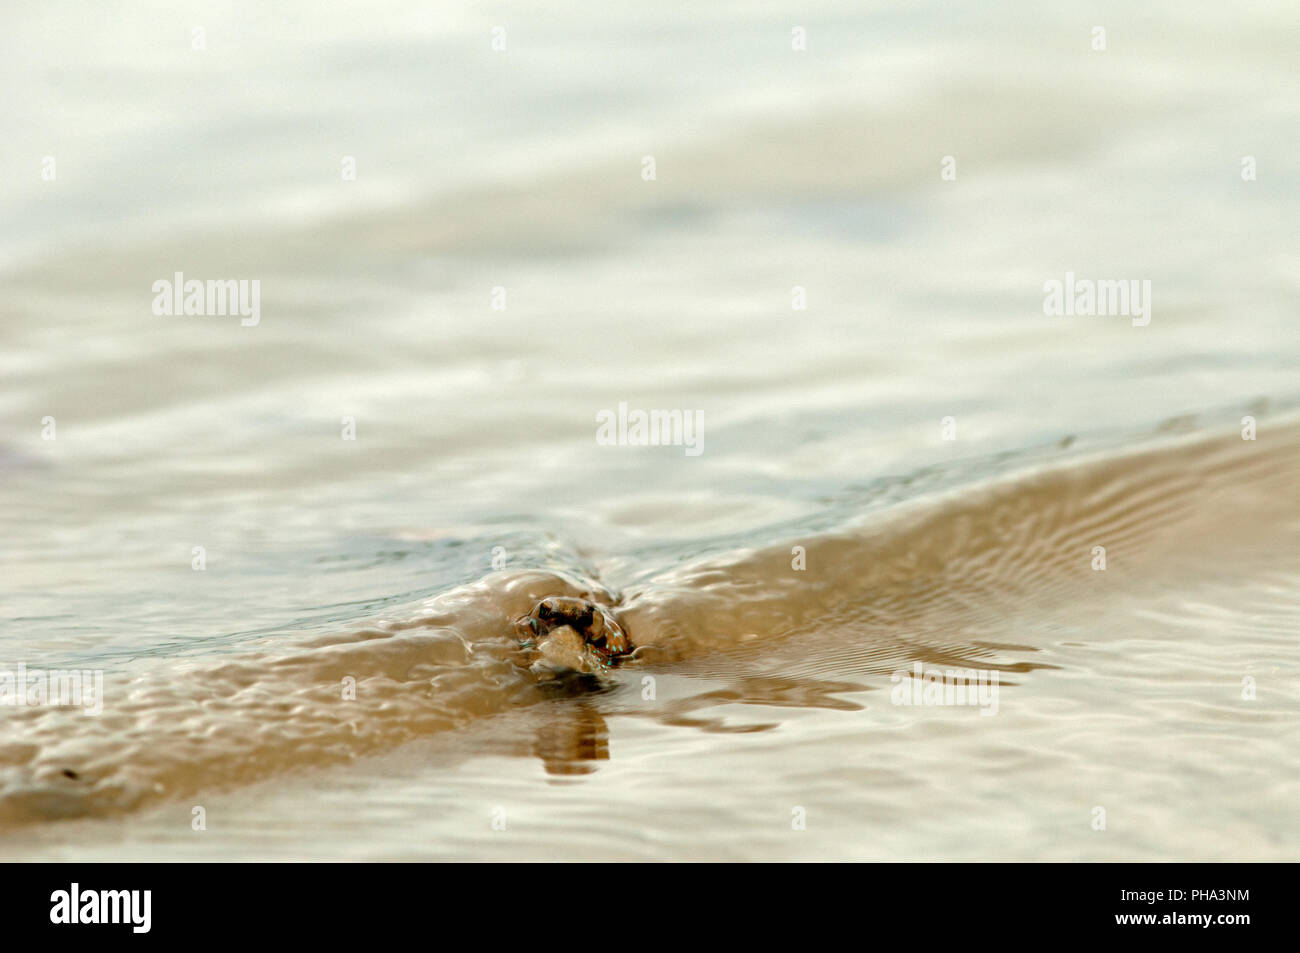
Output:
x,y
571,739
571,735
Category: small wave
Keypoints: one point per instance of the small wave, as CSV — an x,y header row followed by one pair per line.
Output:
x,y
939,579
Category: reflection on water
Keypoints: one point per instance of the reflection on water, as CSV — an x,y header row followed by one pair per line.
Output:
x,y
570,740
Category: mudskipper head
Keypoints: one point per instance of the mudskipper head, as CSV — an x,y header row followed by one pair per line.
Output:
x,y
569,632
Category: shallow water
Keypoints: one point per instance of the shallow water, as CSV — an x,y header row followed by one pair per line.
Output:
x,y
773,691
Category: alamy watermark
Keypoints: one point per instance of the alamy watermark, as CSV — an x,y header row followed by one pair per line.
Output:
x,y
59,688
130,907
977,688
651,428
214,297
1087,297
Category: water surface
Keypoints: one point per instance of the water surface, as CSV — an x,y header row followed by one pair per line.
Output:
x,y
373,559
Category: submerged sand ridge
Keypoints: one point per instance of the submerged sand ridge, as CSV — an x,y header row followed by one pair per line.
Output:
x,y
940,580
